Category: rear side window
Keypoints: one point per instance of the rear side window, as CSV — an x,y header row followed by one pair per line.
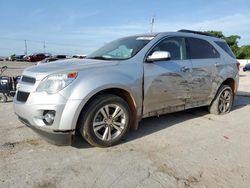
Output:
x,y
201,49
225,47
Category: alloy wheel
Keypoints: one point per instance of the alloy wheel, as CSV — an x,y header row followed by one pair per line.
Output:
x,y
109,122
225,101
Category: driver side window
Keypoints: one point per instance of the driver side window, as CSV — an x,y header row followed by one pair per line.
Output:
x,y
174,45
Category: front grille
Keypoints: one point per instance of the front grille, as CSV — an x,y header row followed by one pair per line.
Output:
x,y
22,96
28,79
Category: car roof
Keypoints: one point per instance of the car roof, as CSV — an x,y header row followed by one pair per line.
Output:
x,y
187,34
182,33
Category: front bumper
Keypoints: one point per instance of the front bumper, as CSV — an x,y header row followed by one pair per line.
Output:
x,y
58,138
67,112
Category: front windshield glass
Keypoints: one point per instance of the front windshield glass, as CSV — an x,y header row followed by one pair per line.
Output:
x,y
121,49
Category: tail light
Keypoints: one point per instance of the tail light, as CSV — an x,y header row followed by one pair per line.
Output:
x,y
238,65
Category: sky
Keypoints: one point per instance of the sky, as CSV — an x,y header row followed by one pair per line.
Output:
x,y
81,26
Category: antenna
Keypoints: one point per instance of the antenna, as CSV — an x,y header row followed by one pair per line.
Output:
x,y
152,24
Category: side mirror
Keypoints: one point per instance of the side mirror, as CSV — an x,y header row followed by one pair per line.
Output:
x,y
159,56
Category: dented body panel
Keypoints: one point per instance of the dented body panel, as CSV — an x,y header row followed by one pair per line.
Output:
x,y
166,87
151,87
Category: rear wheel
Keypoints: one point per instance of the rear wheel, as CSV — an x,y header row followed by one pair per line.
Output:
x,y
105,121
3,98
223,101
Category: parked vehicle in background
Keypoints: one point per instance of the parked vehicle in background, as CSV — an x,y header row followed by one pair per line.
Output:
x,y
38,57
246,67
131,78
53,58
61,56
26,58
2,58
79,56
17,58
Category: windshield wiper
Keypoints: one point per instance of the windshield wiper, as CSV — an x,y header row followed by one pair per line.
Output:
x,y
106,58
97,57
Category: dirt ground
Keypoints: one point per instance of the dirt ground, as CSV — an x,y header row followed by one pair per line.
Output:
x,y
185,149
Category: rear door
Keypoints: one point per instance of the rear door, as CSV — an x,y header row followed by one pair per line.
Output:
x,y
205,60
166,83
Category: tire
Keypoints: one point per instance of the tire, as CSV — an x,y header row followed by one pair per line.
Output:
x,y
223,101
105,121
3,98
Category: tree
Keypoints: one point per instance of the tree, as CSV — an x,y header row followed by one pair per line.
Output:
x,y
218,34
232,41
244,52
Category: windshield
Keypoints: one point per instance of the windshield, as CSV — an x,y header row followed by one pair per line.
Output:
x,y
121,49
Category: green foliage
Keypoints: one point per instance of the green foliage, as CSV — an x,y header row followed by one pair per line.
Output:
x,y
244,52
232,41
218,34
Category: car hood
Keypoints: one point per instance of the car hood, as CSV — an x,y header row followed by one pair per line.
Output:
x,y
43,70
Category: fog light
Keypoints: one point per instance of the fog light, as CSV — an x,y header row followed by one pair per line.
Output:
x,y
49,116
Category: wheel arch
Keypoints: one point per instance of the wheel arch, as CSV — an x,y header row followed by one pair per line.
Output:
x,y
228,81
231,83
124,94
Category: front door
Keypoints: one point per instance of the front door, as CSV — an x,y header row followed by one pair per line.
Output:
x,y
166,83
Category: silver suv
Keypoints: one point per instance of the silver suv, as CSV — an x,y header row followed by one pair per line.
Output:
x,y
109,92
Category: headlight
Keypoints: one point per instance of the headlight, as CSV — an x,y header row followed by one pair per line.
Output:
x,y
56,82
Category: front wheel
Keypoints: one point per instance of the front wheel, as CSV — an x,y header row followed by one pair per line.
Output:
x,y
223,101
105,121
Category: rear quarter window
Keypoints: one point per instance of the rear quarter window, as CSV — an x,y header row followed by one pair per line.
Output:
x,y
225,47
201,49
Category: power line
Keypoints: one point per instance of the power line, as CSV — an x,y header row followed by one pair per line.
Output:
x,y
52,47
19,49
52,50
37,41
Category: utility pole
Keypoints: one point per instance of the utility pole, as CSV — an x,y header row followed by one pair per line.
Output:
x,y
152,24
44,47
25,47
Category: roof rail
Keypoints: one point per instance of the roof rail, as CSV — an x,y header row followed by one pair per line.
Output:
x,y
195,32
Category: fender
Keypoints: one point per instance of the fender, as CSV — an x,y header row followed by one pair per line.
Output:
x,y
223,76
90,85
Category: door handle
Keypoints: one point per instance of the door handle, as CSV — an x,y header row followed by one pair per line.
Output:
x,y
184,69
